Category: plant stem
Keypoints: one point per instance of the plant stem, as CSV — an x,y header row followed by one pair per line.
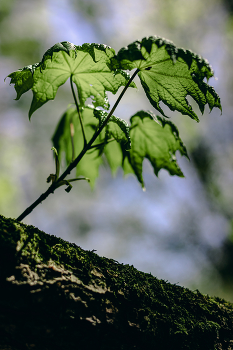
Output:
x,y
79,114
74,163
102,143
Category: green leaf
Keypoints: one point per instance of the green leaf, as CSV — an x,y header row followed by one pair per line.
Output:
x,y
65,46
156,139
89,164
23,79
170,74
116,128
113,152
90,68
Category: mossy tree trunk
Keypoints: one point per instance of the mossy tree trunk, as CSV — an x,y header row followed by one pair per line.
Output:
x,y
55,295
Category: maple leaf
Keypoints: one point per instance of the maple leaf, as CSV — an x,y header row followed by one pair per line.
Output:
x,y
156,139
88,166
169,74
89,66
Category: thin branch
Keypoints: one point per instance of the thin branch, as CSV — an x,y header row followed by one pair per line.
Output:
x,y
78,110
102,143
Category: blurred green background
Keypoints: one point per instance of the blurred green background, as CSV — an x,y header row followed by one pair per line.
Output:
x,y
180,230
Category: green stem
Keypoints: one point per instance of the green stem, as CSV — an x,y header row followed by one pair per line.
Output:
x,y
78,110
73,164
102,143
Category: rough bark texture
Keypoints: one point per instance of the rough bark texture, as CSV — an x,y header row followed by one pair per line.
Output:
x,y
55,295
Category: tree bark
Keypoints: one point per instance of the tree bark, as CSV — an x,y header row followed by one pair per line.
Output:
x,y
55,295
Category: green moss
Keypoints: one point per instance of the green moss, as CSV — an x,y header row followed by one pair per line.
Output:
x,y
165,310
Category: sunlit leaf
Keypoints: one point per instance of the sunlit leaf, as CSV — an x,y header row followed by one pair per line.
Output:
x,y
89,66
156,139
170,74
23,79
117,128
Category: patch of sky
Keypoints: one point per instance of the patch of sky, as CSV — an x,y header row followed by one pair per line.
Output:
x,y
69,25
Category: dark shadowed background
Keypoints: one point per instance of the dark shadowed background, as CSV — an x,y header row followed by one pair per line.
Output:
x,y
180,229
